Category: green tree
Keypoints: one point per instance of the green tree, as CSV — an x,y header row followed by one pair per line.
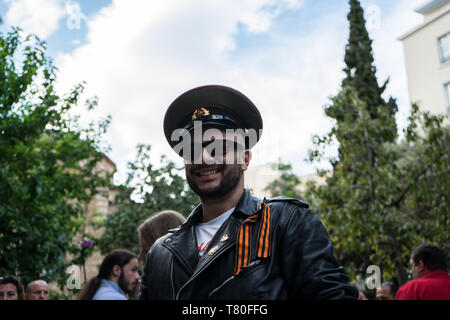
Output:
x,y
360,74
375,202
46,163
360,69
378,214
148,190
287,184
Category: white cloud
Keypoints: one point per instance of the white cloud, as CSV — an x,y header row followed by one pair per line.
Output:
x,y
40,17
261,20
141,55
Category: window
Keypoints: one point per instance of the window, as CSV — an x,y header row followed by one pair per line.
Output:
x,y
444,48
447,96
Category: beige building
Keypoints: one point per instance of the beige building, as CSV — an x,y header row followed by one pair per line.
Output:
x,y
427,58
100,206
257,179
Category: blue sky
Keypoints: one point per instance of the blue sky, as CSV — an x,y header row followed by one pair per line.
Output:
x,y
285,55
62,38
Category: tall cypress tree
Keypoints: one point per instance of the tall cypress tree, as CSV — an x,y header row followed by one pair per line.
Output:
x,y
361,83
360,70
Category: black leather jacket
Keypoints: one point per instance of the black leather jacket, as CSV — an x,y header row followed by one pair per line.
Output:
x,y
301,264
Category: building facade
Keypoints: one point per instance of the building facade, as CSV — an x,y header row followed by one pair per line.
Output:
x,y
101,205
427,58
257,178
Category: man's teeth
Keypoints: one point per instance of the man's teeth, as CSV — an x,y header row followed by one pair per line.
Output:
x,y
207,173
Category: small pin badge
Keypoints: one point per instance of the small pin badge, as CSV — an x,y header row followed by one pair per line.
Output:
x,y
224,238
213,250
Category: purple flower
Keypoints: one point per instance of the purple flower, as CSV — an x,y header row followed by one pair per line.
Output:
x,y
87,244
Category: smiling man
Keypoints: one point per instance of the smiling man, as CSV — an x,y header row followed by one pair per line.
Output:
x,y
234,245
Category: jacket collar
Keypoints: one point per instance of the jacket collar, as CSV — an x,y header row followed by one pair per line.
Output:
x,y
183,244
434,274
247,205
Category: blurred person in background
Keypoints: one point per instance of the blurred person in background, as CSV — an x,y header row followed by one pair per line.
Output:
x,y
386,291
10,288
361,294
118,276
37,290
155,227
429,270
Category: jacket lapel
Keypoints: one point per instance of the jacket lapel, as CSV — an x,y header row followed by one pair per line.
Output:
x,y
183,243
225,237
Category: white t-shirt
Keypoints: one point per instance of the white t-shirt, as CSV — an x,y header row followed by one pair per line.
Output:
x,y
206,231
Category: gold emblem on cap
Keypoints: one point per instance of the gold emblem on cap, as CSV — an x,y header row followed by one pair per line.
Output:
x,y
224,238
213,250
200,112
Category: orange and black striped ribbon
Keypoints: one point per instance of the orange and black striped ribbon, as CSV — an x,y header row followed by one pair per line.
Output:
x,y
244,239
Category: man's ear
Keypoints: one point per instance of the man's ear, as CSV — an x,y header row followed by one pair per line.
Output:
x,y
245,160
116,270
420,266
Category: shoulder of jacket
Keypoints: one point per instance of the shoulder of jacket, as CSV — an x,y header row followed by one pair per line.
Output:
x,y
300,203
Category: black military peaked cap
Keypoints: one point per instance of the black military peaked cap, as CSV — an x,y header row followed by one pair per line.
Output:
x,y
213,105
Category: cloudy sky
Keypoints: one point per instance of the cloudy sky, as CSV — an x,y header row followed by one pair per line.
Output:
x,y
285,55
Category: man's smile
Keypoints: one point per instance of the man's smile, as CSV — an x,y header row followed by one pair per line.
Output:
x,y
207,172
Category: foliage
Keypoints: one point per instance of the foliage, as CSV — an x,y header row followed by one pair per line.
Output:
x,y
376,214
286,185
383,197
156,189
46,163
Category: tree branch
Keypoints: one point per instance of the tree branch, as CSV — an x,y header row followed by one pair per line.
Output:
x,y
421,173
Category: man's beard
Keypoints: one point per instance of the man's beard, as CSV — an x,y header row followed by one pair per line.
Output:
x,y
123,283
226,185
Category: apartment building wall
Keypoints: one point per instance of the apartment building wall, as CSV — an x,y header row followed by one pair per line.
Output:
x,y
427,72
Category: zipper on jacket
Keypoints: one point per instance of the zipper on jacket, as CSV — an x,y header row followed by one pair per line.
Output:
x,y
171,279
254,263
221,286
203,268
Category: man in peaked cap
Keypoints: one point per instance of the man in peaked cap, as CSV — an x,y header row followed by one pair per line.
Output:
x,y
234,245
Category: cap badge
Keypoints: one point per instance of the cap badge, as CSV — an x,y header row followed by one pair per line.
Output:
x,y
200,112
